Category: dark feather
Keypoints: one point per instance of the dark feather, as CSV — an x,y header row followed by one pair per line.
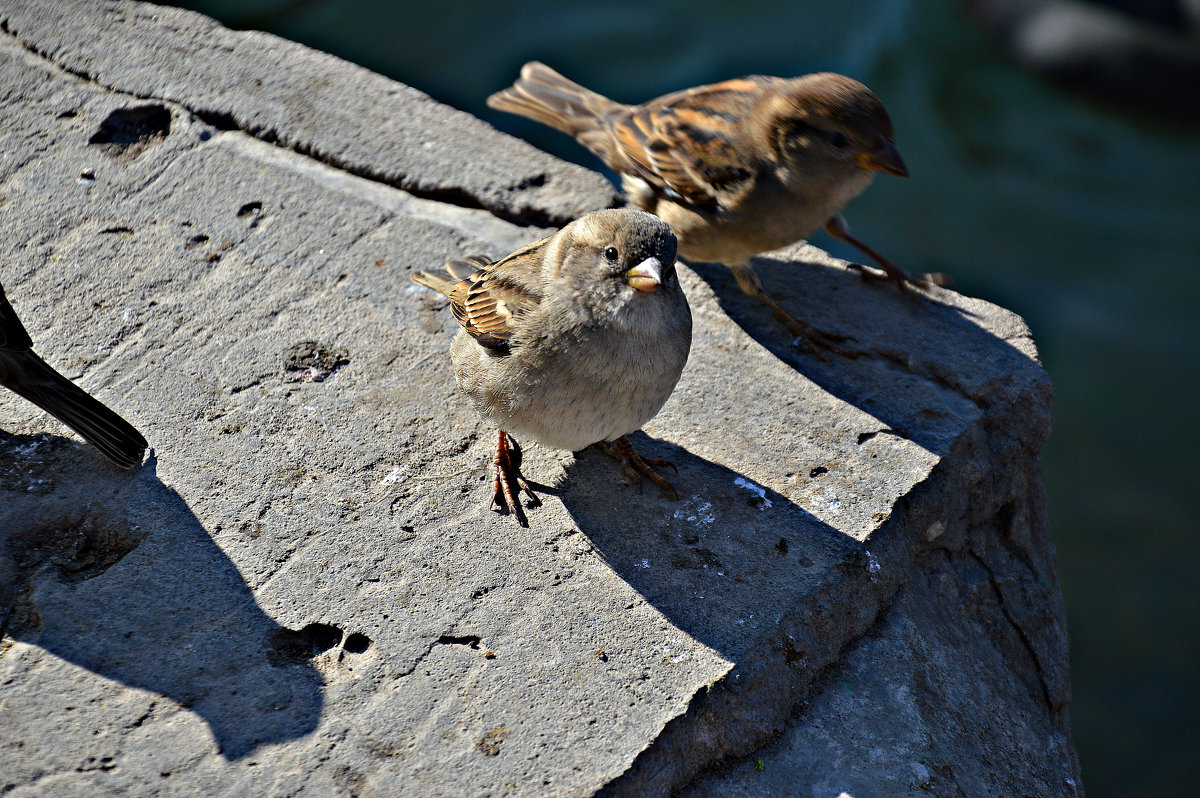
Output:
x,y
27,375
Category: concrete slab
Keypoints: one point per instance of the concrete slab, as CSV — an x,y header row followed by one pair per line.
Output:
x,y
302,589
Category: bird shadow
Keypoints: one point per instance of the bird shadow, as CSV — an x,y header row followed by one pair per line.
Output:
x,y
926,365
111,571
731,557
723,562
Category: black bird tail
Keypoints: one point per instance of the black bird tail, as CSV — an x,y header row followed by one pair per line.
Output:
x,y
32,378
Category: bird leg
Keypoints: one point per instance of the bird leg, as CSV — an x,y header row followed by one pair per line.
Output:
x,y
838,228
635,466
506,467
813,338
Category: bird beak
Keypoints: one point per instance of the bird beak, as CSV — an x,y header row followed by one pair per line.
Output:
x,y
885,159
646,276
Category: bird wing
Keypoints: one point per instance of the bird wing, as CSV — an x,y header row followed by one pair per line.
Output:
x,y
685,144
490,301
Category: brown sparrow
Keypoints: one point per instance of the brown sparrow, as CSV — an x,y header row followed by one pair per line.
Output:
x,y
737,168
29,376
576,339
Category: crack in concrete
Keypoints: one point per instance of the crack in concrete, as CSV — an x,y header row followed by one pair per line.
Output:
x,y
820,679
907,366
798,667
441,640
473,224
1021,634
228,121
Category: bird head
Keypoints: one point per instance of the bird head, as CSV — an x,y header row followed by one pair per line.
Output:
x,y
617,259
831,124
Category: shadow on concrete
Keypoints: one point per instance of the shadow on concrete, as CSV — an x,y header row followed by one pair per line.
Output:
x,y
723,562
927,366
112,572
727,560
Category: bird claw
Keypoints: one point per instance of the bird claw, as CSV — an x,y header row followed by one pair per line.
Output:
x,y
635,466
892,273
940,279
650,461
902,279
506,471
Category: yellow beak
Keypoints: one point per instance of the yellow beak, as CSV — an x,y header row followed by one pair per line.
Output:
x,y
885,159
646,276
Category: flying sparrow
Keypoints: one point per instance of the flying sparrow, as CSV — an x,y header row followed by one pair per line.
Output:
x,y
29,376
576,339
737,168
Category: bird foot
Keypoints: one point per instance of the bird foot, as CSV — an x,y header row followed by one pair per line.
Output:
x,y
506,466
902,279
892,273
635,466
818,342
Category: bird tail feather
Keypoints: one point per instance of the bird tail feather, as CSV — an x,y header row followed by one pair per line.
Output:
x,y
455,272
100,426
438,282
545,96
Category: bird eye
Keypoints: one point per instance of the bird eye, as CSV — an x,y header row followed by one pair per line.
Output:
x,y
611,254
839,139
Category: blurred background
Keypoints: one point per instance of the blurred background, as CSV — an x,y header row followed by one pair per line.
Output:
x,y
1079,210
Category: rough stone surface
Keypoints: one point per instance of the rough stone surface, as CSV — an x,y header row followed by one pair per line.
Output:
x,y
302,590
929,702
311,102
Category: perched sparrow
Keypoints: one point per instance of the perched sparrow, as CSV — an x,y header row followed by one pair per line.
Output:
x,y
29,376
737,168
576,339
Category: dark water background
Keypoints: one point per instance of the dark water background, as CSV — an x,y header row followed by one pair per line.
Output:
x,y
1084,219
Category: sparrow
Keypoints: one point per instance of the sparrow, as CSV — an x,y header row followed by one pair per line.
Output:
x,y
23,372
573,340
736,168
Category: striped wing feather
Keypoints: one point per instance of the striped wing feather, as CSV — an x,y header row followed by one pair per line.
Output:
x,y
684,144
490,301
